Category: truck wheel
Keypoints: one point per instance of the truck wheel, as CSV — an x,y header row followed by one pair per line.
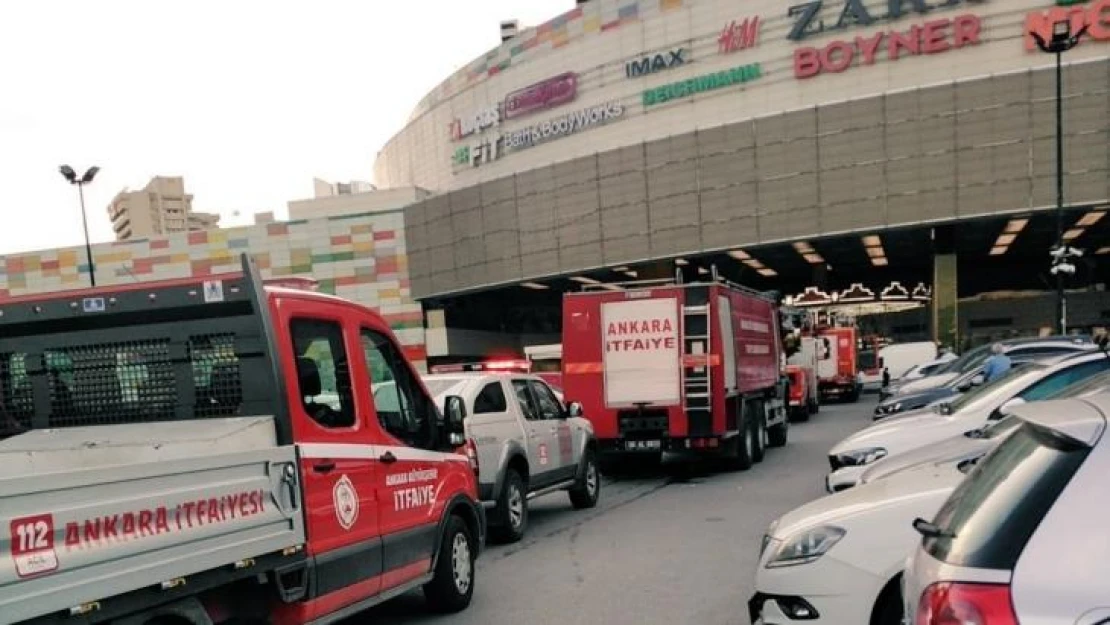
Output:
x,y
777,433
512,509
740,449
814,406
759,426
585,494
800,414
452,585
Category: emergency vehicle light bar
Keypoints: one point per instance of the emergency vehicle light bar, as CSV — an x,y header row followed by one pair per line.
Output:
x,y
516,366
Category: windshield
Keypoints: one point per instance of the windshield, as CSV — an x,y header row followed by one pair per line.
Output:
x,y
440,386
991,514
1014,376
866,359
968,361
1094,384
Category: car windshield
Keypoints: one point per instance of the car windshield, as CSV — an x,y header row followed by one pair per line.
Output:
x,y
968,361
1094,384
1016,376
440,386
990,516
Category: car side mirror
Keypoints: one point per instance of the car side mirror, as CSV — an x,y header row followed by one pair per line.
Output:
x,y
1009,405
574,409
978,380
455,410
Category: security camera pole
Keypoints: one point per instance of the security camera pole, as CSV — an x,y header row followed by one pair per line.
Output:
x,y
70,175
1062,41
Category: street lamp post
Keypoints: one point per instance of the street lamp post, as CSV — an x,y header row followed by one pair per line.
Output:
x,y
71,176
1062,41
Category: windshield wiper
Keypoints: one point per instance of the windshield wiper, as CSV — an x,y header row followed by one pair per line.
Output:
x,y
930,530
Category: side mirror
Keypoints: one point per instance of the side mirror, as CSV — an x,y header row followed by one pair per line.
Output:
x,y
978,380
454,408
1009,405
574,409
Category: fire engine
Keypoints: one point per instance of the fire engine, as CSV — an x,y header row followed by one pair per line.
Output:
x,y
837,364
694,368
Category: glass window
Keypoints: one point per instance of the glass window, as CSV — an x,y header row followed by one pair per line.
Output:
x,y
986,390
524,398
1099,382
1057,382
490,400
323,374
549,405
992,514
402,408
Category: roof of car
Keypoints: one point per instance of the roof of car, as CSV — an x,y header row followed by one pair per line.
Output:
x,y
1083,419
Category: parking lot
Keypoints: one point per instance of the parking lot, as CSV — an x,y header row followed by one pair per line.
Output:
x,y
666,546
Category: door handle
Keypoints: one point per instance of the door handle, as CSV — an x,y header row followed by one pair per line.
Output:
x,y
324,467
387,458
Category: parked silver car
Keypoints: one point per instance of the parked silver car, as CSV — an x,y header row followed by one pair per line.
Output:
x,y
1023,538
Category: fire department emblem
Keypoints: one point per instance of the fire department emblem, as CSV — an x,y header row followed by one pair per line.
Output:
x,y
346,502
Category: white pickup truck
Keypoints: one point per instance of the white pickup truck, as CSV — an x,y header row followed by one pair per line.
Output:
x,y
529,444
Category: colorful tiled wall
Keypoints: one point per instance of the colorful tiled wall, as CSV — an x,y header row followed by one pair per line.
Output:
x,y
360,257
581,21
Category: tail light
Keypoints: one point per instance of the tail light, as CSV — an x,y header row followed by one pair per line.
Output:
x,y
966,604
472,455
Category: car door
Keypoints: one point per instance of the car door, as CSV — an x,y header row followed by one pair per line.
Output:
x,y
555,416
540,435
338,463
492,424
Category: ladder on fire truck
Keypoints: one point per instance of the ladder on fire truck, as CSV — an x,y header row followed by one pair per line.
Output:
x,y
696,372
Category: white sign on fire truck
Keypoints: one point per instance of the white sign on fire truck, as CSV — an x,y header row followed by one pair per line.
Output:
x,y
641,352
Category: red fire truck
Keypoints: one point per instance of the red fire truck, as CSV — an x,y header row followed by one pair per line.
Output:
x,y
664,366
837,365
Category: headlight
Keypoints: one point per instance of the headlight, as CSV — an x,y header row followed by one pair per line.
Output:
x,y
895,408
768,537
861,457
805,547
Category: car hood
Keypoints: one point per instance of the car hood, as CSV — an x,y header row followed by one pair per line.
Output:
x,y
949,451
911,490
910,431
925,383
920,398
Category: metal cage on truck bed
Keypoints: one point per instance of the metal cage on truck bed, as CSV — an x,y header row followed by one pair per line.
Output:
x,y
161,351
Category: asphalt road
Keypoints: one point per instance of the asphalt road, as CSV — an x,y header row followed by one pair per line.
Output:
x,y
672,546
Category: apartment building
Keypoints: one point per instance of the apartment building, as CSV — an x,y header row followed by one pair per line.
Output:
x,y
161,207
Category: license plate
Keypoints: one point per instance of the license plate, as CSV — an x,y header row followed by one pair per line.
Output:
x,y
643,445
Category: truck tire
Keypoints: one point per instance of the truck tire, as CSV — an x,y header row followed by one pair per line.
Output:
x,y
739,454
800,414
777,434
813,405
585,493
758,419
512,509
452,585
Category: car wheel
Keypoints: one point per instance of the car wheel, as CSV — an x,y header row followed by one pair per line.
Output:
x,y
512,509
586,492
452,585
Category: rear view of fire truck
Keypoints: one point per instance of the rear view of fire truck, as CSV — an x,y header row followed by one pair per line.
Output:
x,y
694,369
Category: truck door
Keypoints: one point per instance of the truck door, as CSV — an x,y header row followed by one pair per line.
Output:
x,y
330,427
412,472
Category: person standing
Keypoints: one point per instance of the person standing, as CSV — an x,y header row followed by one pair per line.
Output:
x,y
997,364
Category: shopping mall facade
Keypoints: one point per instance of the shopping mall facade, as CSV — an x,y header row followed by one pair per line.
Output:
x,y
791,145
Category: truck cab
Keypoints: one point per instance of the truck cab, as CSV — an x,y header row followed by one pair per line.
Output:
x,y
212,450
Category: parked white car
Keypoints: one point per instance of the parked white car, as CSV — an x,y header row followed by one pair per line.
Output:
x,y
529,444
1023,539
838,560
1023,383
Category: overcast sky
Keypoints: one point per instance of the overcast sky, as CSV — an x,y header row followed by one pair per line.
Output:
x,y
246,99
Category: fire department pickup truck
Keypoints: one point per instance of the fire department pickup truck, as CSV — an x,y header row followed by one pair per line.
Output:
x,y
529,444
208,451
